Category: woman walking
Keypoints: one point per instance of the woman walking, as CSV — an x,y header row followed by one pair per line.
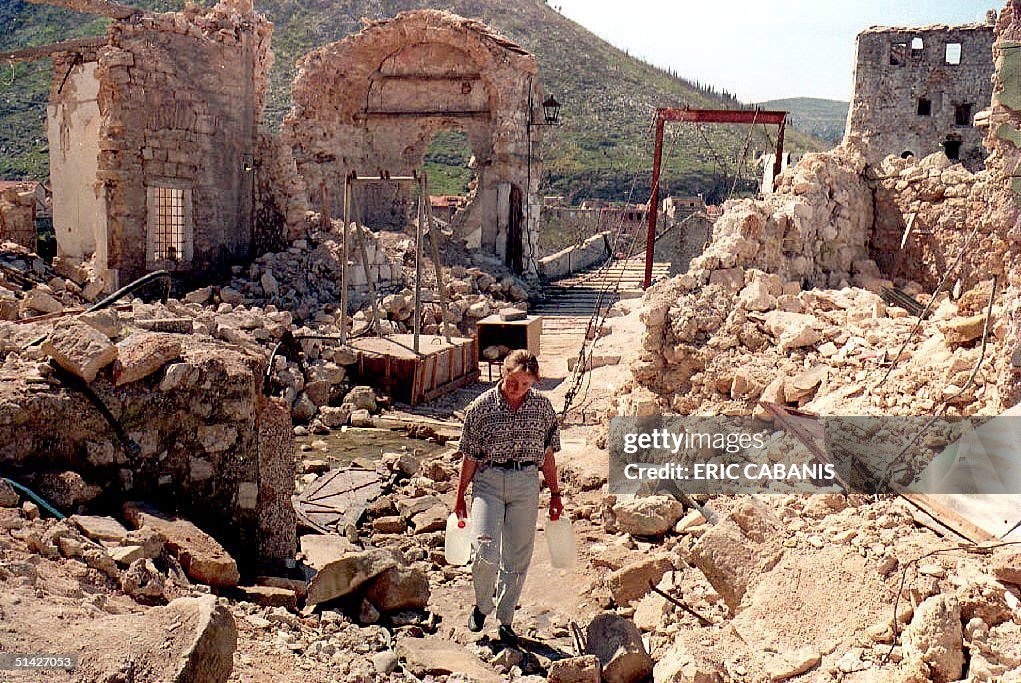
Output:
x,y
510,433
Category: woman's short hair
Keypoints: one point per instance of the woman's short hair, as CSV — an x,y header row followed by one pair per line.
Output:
x,y
521,360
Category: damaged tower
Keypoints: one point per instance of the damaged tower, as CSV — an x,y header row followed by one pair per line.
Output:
x,y
917,91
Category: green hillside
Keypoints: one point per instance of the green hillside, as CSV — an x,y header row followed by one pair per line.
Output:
x,y
825,119
602,149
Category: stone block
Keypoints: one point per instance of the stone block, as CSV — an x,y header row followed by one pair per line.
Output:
x,y
347,573
617,643
101,528
399,588
202,557
80,349
584,669
648,515
141,355
633,581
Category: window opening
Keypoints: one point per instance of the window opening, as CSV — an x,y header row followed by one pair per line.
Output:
x,y
898,54
917,47
924,106
962,114
953,54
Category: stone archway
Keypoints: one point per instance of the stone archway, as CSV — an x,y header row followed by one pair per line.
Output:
x,y
374,100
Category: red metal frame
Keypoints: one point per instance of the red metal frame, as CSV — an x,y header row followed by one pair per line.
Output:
x,y
664,114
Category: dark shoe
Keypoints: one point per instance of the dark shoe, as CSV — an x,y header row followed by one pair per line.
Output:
x,y
476,619
507,635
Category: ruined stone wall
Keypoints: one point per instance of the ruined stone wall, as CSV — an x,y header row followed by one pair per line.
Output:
x,y
1004,142
374,101
281,203
907,98
212,447
17,216
180,96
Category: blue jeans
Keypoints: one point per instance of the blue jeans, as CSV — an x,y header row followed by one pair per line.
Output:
x,y
505,507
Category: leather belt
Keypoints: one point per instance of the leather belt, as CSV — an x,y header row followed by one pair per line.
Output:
x,y
513,464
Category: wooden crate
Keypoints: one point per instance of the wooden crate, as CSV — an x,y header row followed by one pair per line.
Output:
x,y
390,363
514,334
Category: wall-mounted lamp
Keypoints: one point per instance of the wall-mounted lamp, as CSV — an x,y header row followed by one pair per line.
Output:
x,y
551,109
550,112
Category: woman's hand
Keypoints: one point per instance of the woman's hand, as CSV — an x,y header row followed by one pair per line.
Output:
x,y
556,507
461,507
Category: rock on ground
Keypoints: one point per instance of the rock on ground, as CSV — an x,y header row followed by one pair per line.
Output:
x,y
648,515
618,645
203,559
80,349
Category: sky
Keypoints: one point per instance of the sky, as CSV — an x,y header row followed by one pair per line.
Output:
x,y
757,49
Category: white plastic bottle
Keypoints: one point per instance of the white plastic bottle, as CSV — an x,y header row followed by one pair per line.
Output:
x,y
560,541
457,541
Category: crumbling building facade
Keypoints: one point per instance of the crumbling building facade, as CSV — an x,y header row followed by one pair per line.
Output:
x,y
153,140
917,91
374,101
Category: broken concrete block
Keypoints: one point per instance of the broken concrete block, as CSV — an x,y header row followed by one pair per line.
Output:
x,y
648,515
320,550
433,519
334,417
634,580
39,302
689,521
140,355
511,314
210,654
617,643
399,588
168,325
756,297
731,557
125,555
362,398
804,384
962,330
106,321
680,665
934,635
584,669
793,330
409,507
389,525
270,596
80,349
198,296
101,528
344,575
203,559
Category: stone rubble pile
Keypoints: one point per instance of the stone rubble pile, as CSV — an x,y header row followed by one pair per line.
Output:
x,y
838,559
784,306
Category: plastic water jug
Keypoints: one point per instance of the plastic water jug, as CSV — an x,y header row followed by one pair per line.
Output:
x,y
560,541
457,541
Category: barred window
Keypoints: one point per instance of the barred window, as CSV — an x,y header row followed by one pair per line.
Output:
x,y
170,228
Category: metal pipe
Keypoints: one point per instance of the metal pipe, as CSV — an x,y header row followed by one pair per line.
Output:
x,y
418,264
657,163
36,498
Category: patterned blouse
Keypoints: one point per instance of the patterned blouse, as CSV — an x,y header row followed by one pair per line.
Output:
x,y
492,432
